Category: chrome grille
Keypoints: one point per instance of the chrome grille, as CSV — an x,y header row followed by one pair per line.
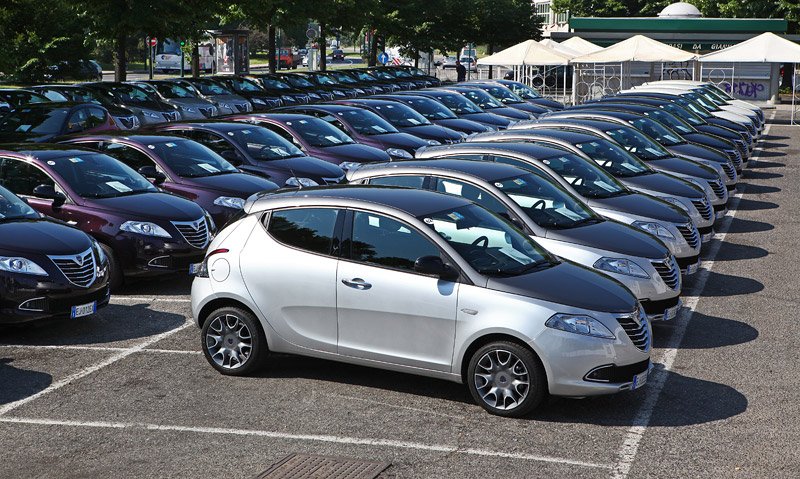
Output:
x,y
690,234
751,128
669,271
718,187
742,146
241,107
207,112
635,326
729,170
194,232
79,269
127,122
171,116
704,208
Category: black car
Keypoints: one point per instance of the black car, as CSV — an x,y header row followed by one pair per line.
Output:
x,y
464,107
47,268
244,87
280,89
330,83
437,113
11,98
149,109
44,122
407,120
303,84
123,117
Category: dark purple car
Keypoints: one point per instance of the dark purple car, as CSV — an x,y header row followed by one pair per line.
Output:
x,y
47,268
490,103
463,107
366,127
45,122
407,120
318,138
437,113
183,167
260,151
142,230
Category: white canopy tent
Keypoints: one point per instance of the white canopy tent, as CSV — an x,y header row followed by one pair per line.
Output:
x,y
580,45
610,70
560,48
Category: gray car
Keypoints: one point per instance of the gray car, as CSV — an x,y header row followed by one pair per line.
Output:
x,y
226,101
419,282
598,189
558,221
628,169
191,106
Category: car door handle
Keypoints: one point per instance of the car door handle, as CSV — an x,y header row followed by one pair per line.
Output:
x,y
357,283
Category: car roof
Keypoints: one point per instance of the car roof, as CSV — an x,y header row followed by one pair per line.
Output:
x,y
326,107
127,135
368,101
569,136
45,151
531,149
616,113
487,170
412,201
278,116
215,125
599,124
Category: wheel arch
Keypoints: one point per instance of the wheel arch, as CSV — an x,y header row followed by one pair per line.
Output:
x,y
485,339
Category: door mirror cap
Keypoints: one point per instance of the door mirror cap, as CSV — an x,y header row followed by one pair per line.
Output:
x,y
231,157
434,266
49,192
152,174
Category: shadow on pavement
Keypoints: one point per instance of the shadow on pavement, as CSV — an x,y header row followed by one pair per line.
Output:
x,y
764,164
112,323
761,175
739,225
177,284
770,154
760,189
684,401
746,204
706,332
734,252
720,285
21,383
774,137
769,144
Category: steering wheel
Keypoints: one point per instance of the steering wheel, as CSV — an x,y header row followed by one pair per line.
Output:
x,y
483,239
539,204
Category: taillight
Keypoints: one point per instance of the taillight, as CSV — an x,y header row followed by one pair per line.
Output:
x,y
201,269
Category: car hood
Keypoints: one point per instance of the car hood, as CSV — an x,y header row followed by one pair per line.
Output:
x,y
459,124
235,184
150,206
685,167
26,137
489,118
547,103
42,236
709,140
433,132
613,236
190,102
665,184
570,285
698,151
510,113
354,152
303,167
397,140
529,107
646,206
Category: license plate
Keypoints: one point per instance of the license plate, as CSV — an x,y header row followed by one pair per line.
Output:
x,y
721,213
692,268
84,310
640,379
671,313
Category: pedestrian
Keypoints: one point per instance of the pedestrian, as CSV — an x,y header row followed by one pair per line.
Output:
x,y
461,72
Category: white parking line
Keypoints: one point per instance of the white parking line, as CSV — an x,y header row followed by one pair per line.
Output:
x,y
630,447
91,369
216,432
69,347
153,299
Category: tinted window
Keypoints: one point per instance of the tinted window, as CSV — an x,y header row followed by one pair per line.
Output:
x,y
310,229
401,115
96,117
470,192
189,159
128,155
430,109
319,133
53,95
99,176
263,144
404,181
28,120
21,178
386,242
12,207
214,141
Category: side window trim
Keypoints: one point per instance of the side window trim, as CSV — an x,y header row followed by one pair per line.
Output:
x,y
56,184
335,248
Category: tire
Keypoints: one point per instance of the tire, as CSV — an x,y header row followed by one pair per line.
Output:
x,y
510,362
232,324
115,277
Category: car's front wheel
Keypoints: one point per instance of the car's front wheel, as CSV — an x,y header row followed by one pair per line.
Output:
x,y
506,379
232,341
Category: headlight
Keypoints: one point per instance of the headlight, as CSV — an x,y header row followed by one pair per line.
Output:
x,y
621,266
212,227
295,181
315,96
359,91
654,228
258,101
190,109
151,114
230,202
21,265
349,165
579,324
512,123
434,143
144,228
101,255
287,98
676,202
399,153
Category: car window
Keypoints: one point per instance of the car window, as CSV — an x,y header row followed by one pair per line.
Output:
x,y
12,207
53,95
78,121
387,242
30,120
127,154
190,159
470,192
217,143
401,116
95,175
95,117
21,178
319,133
410,181
310,229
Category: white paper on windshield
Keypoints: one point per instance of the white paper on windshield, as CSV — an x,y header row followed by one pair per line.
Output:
x,y
455,216
671,138
75,159
520,182
568,213
374,221
152,147
413,121
452,188
245,132
170,145
51,163
279,150
605,186
633,168
122,188
23,128
208,168
653,151
332,139
379,128
302,122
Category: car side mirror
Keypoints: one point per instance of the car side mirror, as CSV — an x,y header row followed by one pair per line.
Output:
x,y
49,192
231,157
152,174
434,266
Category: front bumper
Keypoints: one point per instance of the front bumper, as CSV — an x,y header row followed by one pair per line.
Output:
x,y
147,256
26,298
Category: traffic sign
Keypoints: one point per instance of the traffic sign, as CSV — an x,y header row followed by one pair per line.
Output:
x,y
153,41
383,58
311,33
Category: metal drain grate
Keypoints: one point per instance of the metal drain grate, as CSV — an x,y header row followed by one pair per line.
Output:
x,y
310,466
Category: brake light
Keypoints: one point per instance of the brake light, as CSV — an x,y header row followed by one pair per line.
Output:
x,y
201,269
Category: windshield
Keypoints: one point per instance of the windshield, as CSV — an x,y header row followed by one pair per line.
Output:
x,y
344,78
702,101
364,122
264,144
548,205
189,159
93,175
208,87
365,76
276,84
34,120
669,120
382,74
637,143
719,91
459,104
708,95
241,84
490,245
588,180
401,116
614,159
131,94
482,99
12,208
298,82
319,133
21,97
657,131
81,95
524,90
324,80
400,73
684,114
430,109
172,90
504,94
53,95
693,107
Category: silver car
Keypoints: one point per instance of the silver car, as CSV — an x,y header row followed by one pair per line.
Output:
x,y
601,191
558,221
191,106
419,282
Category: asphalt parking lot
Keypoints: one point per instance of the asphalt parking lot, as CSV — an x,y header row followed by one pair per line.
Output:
x,y
127,393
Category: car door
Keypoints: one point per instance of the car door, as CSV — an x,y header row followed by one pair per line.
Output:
x,y
290,272
387,311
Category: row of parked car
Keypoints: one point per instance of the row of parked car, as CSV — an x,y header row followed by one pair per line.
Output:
x,y
476,233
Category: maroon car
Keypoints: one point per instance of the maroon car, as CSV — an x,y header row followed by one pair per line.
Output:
x,y
183,167
142,230
43,122
318,138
